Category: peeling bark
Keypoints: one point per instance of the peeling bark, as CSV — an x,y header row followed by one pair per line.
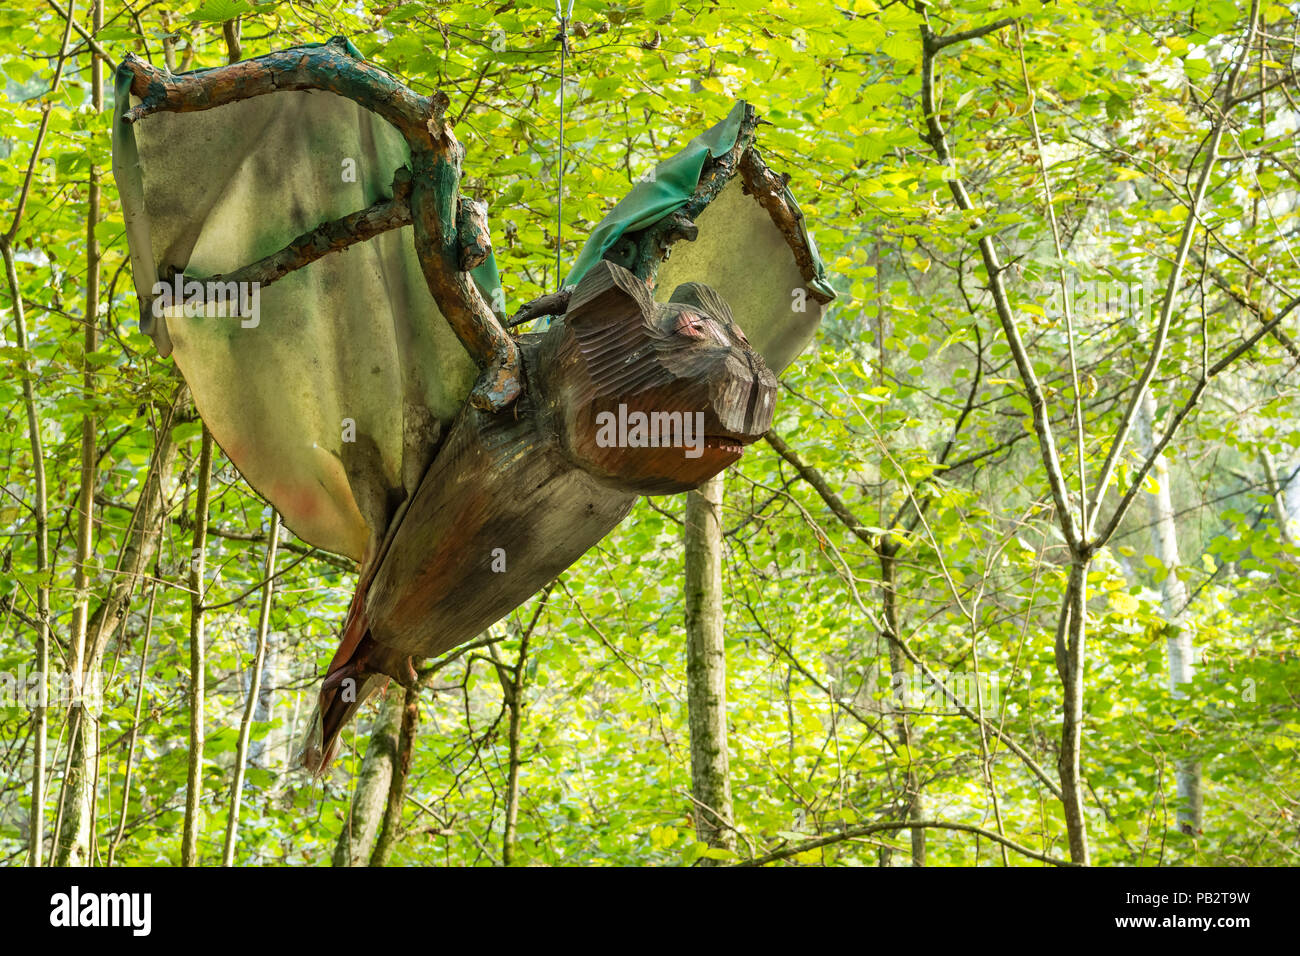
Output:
x,y
329,67
771,192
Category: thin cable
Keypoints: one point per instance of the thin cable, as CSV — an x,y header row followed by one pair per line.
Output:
x,y
563,37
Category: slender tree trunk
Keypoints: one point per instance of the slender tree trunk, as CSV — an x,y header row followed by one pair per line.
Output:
x,y
513,690
516,722
1070,634
387,838
77,796
1290,494
291,739
198,658
915,801
36,823
706,668
1180,653
78,822
254,689
135,725
258,750
1277,489
169,43
40,718
370,798
1279,497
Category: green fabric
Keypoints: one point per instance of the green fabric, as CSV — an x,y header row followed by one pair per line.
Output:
x,y
331,404
486,276
673,184
741,254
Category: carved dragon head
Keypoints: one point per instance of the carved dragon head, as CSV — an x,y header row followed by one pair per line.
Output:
x,y
649,397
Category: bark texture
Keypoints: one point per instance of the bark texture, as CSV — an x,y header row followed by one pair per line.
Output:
x,y
391,828
706,669
370,798
36,822
76,821
914,801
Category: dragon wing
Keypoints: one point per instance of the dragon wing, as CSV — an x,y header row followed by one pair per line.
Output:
x,y
747,238
329,388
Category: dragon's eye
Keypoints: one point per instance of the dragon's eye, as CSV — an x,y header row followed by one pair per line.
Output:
x,y
690,325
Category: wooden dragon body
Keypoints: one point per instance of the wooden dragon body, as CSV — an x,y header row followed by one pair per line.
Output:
x,y
512,500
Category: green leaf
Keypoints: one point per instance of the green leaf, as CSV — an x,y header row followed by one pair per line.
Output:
x,y
219,11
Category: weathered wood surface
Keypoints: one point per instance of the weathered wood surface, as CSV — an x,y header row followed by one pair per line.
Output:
x,y
435,172
511,500
770,190
331,67
501,512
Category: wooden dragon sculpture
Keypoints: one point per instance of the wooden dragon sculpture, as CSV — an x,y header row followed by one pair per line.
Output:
x,y
364,382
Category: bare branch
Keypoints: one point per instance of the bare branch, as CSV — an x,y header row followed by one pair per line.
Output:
x,y
1175,275
1171,429
940,42
854,833
934,135
333,236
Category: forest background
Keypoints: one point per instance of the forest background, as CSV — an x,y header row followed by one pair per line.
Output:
x,y
1013,581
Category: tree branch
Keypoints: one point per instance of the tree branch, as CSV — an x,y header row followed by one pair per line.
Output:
x,y
333,236
1136,484
940,42
329,67
934,135
435,176
819,484
1175,275
854,833
553,303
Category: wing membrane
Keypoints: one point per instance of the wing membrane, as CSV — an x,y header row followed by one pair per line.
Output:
x,y
330,398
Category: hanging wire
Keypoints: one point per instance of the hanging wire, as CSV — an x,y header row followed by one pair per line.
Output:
x,y
563,37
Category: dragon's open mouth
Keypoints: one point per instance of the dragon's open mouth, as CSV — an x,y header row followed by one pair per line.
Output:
x,y
727,443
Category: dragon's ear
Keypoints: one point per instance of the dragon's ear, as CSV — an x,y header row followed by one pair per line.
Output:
x,y
608,314
705,298
607,297
747,240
